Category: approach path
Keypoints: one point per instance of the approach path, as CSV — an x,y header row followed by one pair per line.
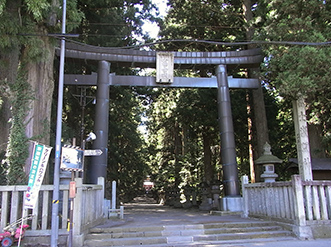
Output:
x,y
144,211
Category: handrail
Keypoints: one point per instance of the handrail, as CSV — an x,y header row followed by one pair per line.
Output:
x,y
90,195
301,203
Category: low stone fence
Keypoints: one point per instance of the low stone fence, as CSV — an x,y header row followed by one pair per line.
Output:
x,y
306,205
88,211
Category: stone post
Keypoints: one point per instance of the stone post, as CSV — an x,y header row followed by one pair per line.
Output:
x,y
113,195
244,181
300,229
78,236
302,139
113,212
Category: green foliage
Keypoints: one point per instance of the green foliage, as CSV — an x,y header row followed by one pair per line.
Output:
x,y
162,131
219,20
297,70
37,8
2,6
21,25
17,150
9,27
195,110
192,115
114,23
127,156
74,15
22,22
300,70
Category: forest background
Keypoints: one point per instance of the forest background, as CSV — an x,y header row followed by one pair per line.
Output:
x,y
172,135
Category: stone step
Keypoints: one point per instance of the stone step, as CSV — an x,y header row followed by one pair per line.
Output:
x,y
124,235
185,235
179,227
177,231
240,229
126,229
238,224
242,235
224,243
171,230
125,241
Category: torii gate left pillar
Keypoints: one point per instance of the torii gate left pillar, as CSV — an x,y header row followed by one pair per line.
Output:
x,y
232,200
98,167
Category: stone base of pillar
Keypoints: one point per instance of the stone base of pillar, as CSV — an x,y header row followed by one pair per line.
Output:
x,y
112,215
232,204
303,232
78,240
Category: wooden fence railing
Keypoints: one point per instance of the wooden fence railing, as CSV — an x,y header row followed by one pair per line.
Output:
x,y
88,208
301,203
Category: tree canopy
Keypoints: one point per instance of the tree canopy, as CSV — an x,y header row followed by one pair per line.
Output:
x,y
181,143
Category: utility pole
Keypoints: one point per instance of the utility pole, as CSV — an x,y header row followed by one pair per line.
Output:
x,y
56,188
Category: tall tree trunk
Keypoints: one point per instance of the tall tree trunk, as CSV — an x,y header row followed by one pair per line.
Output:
x,y
207,159
260,122
177,153
8,75
317,150
41,81
260,118
9,59
250,140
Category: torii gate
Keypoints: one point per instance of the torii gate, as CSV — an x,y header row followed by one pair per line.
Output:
x,y
144,59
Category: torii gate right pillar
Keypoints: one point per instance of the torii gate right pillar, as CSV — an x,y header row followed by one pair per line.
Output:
x,y
232,200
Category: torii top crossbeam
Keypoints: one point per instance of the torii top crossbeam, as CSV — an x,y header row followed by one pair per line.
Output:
x,y
147,59
143,59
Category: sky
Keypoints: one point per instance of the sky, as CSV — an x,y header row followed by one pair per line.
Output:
x,y
153,29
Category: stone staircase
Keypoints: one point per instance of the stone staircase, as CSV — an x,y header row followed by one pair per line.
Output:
x,y
211,234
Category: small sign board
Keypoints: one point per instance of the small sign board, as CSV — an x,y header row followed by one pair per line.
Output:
x,y
92,152
164,67
72,158
72,189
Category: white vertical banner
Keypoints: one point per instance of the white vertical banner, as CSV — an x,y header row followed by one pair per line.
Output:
x,y
39,163
165,67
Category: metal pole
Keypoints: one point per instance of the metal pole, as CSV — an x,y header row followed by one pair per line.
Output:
x,y
71,214
228,147
56,189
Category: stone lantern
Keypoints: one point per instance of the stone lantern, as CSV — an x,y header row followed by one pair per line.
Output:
x,y
268,161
